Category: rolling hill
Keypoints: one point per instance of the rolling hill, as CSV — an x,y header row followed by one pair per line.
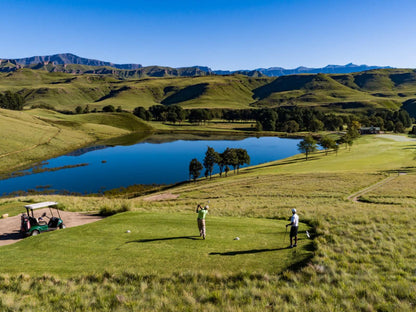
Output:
x,y
381,88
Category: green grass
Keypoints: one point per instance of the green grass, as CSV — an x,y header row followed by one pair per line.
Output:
x,y
346,93
170,240
362,258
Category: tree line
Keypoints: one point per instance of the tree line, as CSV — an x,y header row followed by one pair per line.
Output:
x,y
10,100
230,157
283,119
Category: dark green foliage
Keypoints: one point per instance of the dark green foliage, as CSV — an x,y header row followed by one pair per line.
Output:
x,y
78,109
195,168
140,112
199,115
327,142
307,145
243,157
211,158
109,109
230,157
13,101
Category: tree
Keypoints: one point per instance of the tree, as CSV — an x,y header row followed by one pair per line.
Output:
x,y
196,116
140,112
230,157
398,127
211,158
195,168
290,126
307,145
242,157
86,109
327,142
78,109
109,109
221,163
316,125
13,101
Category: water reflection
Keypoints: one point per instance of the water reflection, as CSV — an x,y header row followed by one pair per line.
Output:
x,y
137,159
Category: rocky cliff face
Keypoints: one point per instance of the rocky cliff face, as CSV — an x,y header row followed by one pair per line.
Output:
x,y
67,62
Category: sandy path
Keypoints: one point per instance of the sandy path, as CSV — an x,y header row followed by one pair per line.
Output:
x,y
9,227
400,138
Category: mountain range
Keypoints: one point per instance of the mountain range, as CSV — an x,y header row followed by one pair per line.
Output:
x,y
71,63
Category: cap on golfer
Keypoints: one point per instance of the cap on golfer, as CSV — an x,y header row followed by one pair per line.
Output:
x,y
206,207
293,210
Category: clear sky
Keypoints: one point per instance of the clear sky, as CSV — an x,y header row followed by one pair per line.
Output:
x,y
227,34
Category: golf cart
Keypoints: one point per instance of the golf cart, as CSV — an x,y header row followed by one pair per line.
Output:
x,y
30,225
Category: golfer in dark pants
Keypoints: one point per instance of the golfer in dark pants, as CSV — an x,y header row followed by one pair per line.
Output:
x,y
294,223
202,212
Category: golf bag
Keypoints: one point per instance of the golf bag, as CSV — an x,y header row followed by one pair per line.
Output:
x,y
24,223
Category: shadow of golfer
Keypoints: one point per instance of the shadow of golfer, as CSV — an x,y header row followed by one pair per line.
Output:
x,y
244,252
163,239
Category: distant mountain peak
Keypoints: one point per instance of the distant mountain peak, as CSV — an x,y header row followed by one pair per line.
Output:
x,y
69,58
38,62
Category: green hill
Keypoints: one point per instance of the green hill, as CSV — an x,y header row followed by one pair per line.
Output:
x,y
34,135
383,88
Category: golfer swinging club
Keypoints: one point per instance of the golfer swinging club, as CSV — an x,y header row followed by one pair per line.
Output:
x,y
294,222
202,212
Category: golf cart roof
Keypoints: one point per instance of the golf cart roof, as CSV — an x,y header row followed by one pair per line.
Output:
x,y
41,205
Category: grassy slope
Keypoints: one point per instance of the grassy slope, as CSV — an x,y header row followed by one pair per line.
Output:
x,y
364,257
340,93
40,134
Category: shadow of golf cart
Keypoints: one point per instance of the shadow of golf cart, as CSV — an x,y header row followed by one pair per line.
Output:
x,y
32,225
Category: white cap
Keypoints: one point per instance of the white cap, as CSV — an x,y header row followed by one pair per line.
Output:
x,y
206,207
294,210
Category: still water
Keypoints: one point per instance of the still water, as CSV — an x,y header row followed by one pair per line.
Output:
x,y
156,160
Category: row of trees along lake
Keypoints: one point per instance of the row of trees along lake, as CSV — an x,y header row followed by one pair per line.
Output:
x,y
284,119
235,157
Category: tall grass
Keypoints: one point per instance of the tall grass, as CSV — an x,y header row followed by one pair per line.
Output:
x,y
363,253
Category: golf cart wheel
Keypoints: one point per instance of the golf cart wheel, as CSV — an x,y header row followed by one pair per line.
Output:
x,y
35,232
62,226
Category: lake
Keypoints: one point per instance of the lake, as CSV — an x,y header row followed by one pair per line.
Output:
x,y
159,159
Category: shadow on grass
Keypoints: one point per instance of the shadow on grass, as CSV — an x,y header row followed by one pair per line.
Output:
x,y
11,236
164,239
245,252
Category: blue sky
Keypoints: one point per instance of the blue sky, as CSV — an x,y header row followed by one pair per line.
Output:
x,y
228,34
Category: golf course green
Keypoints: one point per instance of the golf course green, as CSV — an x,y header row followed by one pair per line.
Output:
x,y
359,205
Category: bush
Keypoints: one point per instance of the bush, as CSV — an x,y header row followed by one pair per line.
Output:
x,y
109,211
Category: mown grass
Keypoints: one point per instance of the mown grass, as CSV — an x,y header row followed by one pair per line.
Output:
x,y
363,258
171,241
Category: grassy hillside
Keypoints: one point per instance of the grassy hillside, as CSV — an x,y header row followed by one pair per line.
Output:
x,y
384,88
35,135
363,251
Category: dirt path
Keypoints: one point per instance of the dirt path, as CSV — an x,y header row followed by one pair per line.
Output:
x,y
356,196
9,227
164,196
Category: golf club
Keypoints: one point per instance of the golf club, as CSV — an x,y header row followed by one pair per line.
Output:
x,y
284,236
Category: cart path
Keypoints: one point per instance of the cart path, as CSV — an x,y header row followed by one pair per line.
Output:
x,y
9,227
355,197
